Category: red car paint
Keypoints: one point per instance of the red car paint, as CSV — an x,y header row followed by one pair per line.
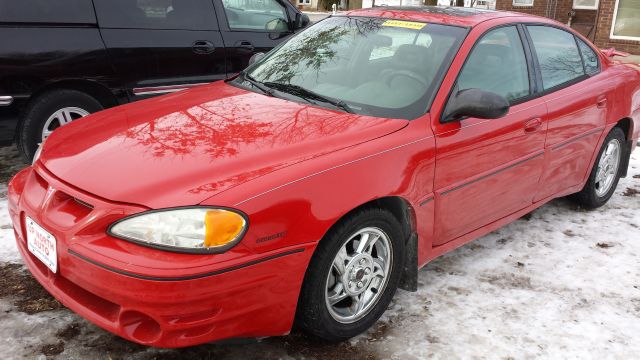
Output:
x,y
295,170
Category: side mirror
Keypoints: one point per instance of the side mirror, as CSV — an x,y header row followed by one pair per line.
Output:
x,y
302,20
476,103
255,58
276,25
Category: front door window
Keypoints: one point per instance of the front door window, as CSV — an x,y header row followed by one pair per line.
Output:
x,y
497,64
255,15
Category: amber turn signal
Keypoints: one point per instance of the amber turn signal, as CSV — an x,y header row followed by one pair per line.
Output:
x,y
222,227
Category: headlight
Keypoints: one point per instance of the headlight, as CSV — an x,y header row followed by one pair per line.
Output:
x,y
36,155
198,229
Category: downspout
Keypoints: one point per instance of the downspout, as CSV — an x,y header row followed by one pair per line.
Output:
x,y
597,22
547,12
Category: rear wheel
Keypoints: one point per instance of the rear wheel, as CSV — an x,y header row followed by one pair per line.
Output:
x,y
50,111
352,277
605,174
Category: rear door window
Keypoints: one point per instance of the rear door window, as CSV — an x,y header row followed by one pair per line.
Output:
x,y
47,11
558,55
156,14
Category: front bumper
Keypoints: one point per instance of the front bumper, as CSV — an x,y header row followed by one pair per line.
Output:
x,y
150,296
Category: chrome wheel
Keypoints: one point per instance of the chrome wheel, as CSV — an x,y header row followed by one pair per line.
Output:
x,y
60,118
358,275
608,167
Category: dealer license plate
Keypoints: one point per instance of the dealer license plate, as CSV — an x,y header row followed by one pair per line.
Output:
x,y
42,244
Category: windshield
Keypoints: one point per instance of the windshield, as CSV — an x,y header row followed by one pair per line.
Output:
x,y
370,66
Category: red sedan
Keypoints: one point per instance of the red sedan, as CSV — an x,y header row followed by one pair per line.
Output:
x,y
312,185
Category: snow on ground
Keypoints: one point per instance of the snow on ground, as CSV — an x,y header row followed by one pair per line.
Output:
x,y
8,249
560,283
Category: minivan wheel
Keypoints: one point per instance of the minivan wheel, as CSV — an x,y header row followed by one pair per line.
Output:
x,y
352,276
49,112
605,174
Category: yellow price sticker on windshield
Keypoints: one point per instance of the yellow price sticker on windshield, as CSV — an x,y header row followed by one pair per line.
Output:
x,y
404,24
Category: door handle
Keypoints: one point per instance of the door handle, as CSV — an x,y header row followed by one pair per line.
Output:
x,y
203,47
245,45
532,125
602,103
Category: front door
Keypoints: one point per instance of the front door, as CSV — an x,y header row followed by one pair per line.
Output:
x,y
488,169
161,46
251,26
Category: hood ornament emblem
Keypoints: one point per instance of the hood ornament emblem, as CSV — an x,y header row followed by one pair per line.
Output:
x,y
48,196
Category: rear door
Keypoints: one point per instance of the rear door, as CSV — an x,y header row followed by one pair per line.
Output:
x,y
161,46
489,169
251,26
576,96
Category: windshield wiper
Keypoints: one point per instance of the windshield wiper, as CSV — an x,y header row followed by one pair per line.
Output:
x,y
308,95
256,84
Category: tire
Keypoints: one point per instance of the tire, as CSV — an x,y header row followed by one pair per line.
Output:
x,y
43,108
597,192
338,322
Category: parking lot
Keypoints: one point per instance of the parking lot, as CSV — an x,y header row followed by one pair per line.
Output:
x,y
559,283
243,164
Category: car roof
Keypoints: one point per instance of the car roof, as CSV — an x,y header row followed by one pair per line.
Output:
x,y
459,16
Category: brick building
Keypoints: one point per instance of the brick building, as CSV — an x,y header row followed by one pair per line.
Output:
x,y
608,23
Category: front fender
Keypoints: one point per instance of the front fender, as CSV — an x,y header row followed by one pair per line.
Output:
x,y
299,204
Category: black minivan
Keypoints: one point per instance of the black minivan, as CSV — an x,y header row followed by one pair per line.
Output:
x,y
64,59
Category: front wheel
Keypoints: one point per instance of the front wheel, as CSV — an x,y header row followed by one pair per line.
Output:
x,y
352,276
605,174
50,111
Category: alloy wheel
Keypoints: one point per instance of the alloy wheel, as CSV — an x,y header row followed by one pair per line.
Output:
x,y
608,167
359,275
60,118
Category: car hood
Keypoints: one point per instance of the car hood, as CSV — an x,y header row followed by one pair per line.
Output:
x,y
183,148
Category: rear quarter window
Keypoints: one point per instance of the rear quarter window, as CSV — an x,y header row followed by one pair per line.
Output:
x,y
47,11
589,57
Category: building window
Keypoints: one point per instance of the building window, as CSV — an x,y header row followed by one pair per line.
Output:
x,y
522,2
304,2
626,20
586,4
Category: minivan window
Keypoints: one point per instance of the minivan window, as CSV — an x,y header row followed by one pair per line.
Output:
x,y
589,57
156,14
47,11
558,55
255,15
497,64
